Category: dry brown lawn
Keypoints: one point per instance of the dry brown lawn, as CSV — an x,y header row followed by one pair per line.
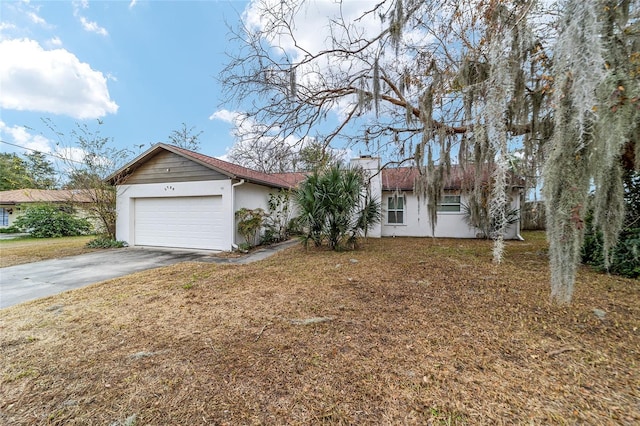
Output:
x,y
19,251
403,331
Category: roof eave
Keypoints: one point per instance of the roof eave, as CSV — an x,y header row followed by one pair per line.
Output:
x,y
140,159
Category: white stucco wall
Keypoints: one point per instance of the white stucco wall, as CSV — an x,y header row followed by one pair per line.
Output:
x,y
371,166
128,193
250,196
449,224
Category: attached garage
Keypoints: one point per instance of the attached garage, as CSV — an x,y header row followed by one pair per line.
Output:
x,y
182,222
172,197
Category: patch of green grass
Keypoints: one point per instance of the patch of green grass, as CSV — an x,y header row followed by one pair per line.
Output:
x,y
105,242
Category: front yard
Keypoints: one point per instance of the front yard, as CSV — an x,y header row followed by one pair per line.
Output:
x,y
27,250
403,331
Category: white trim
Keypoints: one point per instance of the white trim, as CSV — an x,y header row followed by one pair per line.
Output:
x,y
127,194
403,210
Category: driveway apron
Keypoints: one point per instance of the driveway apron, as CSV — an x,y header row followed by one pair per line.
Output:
x,y
31,281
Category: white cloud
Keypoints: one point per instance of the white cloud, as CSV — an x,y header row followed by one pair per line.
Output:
x,y
132,4
36,19
224,157
312,23
92,27
20,136
7,26
4,27
53,81
82,4
226,116
54,42
71,154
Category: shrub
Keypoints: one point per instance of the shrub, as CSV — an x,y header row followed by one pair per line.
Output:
x,y
249,224
625,256
335,207
476,214
244,247
10,230
48,221
106,242
276,222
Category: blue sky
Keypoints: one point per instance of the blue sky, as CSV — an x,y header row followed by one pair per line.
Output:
x,y
142,67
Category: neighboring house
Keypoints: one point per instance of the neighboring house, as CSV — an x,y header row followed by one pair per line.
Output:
x,y
173,197
13,203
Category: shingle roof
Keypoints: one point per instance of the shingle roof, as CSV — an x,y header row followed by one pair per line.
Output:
x,y
17,196
278,180
400,178
292,178
403,178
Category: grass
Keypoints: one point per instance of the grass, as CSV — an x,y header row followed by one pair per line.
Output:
x,y
403,331
27,249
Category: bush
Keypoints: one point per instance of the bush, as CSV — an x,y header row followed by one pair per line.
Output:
x,y
10,230
625,256
106,242
277,220
49,221
249,224
334,207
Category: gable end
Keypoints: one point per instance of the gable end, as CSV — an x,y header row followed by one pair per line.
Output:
x,y
166,166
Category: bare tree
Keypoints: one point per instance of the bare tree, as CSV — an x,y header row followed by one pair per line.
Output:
x,y
90,159
266,155
270,155
459,81
186,138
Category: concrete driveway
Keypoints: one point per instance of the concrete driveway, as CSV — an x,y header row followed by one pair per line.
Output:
x,y
31,281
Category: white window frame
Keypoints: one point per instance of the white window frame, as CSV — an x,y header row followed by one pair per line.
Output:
x,y
4,216
450,201
393,199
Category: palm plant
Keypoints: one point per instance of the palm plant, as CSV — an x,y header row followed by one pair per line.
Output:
x,y
334,206
311,213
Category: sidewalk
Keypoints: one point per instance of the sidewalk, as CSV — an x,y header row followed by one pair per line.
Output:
x,y
254,256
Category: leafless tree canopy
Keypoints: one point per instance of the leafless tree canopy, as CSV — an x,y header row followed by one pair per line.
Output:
x,y
466,81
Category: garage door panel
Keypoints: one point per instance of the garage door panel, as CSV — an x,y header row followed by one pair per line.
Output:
x,y
183,222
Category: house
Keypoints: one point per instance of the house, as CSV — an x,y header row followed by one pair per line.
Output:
x,y
172,197
405,214
13,203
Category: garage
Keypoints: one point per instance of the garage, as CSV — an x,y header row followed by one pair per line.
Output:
x,y
176,198
181,222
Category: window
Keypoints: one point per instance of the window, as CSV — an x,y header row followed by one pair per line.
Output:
x,y
395,210
449,203
4,217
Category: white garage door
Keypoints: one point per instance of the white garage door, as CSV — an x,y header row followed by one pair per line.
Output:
x,y
184,222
